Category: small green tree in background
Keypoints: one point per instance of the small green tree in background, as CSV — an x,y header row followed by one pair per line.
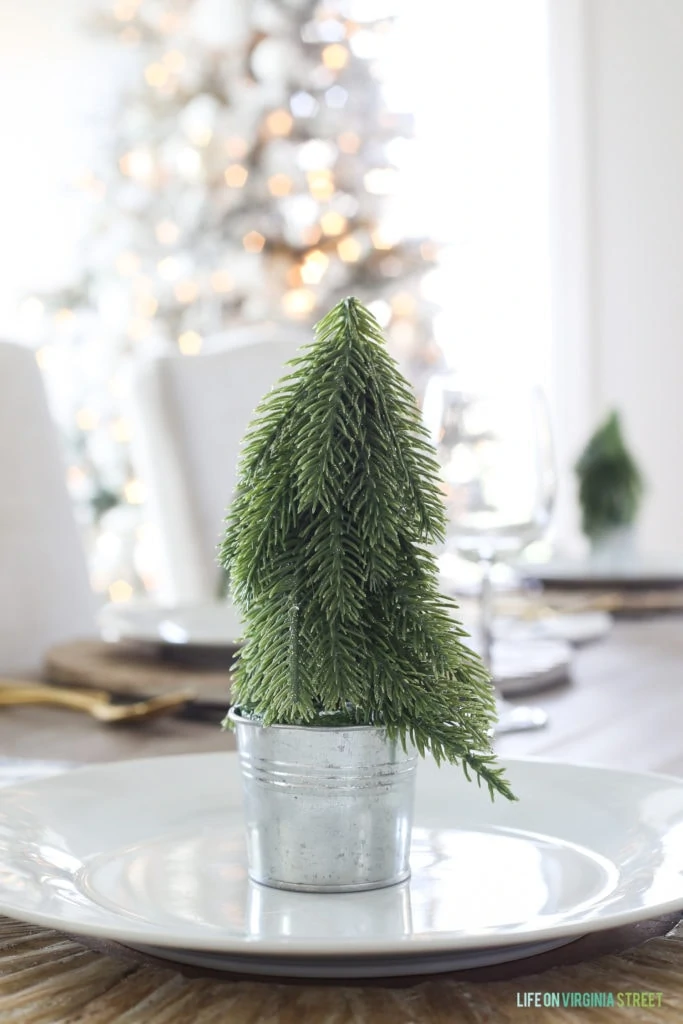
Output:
x,y
327,553
610,482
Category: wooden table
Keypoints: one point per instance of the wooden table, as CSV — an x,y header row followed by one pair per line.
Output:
x,y
624,708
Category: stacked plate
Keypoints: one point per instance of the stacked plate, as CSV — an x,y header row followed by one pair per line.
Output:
x,y
637,572
150,854
211,624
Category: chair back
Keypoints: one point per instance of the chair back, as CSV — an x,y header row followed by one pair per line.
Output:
x,y
45,596
189,417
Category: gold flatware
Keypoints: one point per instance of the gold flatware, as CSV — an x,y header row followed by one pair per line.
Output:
x,y
97,703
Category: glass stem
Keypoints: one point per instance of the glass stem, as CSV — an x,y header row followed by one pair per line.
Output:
x,y
486,613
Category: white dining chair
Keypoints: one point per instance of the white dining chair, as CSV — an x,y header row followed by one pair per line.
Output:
x,y
45,597
189,416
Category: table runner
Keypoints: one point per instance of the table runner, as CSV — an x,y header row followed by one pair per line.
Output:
x,y
48,978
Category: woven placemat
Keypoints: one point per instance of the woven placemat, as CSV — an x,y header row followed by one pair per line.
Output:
x,y
48,978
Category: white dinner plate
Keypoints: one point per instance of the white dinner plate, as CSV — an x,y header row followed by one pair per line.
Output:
x,y
150,853
579,628
347,967
635,572
208,624
523,665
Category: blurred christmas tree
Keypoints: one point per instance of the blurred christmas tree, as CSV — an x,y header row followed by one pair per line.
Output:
x,y
610,482
251,178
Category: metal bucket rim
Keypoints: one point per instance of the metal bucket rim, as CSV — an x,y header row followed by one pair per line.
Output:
x,y
235,715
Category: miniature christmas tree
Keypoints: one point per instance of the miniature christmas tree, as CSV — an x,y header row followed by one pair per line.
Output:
x,y
327,551
610,482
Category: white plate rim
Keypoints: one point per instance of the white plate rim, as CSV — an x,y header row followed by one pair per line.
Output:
x,y
594,574
298,948
359,967
116,624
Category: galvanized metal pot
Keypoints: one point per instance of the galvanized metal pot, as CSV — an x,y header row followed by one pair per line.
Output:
x,y
328,808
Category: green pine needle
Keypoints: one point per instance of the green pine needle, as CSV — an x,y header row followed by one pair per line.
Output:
x,y
610,482
327,552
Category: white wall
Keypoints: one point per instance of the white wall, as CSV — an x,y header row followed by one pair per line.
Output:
x,y
619,240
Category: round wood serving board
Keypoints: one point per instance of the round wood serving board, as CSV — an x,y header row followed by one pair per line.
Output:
x,y
140,671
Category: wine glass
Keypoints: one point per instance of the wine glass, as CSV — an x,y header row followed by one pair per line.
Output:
x,y
495,449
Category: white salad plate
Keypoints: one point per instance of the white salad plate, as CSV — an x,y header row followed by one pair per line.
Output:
x,y
523,665
150,854
207,624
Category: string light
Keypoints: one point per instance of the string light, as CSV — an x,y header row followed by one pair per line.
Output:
x,y
118,387
139,328
142,284
146,533
316,155
186,291
167,232
335,57
381,310
129,36
64,318
391,266
75,477
303,104
134,492
189,162
200,135
45,357
124,10
349,249
298,302
156,75
404,304
120,591
314,266
320,184
349,142
280,185
86,419
333,223
365,45
169,268
32,308
253,241
137,164
279,122
170,22
127,263
236,176
311,234
380,181
121,431
90,184
294,277
382,240
190,343
175,61
236,147
221,281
